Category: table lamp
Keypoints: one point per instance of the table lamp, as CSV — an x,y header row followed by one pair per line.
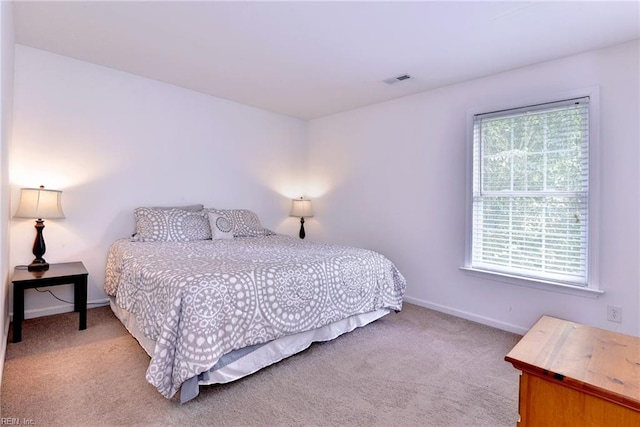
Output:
x,y
301,208
40,204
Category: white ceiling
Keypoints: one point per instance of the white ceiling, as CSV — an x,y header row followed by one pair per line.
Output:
x,y
312,59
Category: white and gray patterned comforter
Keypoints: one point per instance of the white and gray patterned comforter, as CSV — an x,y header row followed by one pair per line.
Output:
x,y
202,299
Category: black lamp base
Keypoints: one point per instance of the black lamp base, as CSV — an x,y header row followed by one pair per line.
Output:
x,y
38,265
39,248
302,233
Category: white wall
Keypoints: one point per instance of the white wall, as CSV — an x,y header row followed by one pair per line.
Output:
x,y
6,112
391,177
112,141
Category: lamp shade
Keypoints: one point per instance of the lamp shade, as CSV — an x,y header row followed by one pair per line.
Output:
x,y
40,203
301,208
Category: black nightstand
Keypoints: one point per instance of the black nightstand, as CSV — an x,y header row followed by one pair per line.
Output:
x,y
58,274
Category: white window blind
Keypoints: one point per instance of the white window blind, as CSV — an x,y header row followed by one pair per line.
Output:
x,y
531,192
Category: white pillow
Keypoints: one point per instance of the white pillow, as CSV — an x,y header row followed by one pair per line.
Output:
x,y
221,227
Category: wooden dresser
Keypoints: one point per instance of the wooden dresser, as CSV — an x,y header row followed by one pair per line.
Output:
x,y
575,375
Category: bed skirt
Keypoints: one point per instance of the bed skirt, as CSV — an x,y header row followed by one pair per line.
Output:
x,y
246,361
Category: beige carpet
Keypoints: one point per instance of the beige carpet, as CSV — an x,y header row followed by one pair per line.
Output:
x,y
414,368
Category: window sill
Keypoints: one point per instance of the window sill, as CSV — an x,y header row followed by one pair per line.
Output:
x,y
545,285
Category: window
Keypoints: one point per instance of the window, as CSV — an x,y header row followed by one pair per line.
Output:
x,y
530,192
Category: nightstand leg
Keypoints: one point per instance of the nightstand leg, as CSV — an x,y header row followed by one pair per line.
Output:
x,y
18,313
80,300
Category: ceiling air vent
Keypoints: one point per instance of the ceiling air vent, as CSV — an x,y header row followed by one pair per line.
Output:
x,y
397,79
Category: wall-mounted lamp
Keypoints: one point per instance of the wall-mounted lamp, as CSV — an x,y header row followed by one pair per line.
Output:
x,y
40,204
301,208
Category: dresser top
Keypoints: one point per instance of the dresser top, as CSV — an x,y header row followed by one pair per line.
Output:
x,y
593,360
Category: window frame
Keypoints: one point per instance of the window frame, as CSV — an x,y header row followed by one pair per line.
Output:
x,y
592,289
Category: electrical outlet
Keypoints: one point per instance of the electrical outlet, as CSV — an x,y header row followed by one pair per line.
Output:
x,y
614,313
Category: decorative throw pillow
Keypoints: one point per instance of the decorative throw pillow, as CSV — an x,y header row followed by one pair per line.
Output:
x,y
170,225
245,223
221,227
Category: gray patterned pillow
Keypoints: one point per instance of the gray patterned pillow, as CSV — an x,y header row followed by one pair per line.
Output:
x,y
170,225
221,227
244,222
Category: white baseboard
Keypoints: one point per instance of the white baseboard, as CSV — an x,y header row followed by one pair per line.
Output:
x,y
520,330
3,346
63,308
509,327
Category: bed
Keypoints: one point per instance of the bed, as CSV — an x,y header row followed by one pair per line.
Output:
x,y
212,296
